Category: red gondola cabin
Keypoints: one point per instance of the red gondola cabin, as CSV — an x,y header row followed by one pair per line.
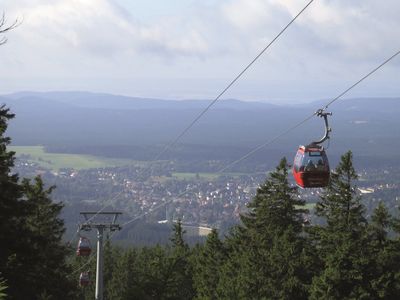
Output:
x,y
84,248
84,279
311,167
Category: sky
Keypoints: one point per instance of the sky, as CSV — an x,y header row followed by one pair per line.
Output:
x,y
191,49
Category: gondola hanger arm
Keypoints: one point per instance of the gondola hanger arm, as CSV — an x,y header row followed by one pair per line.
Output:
x,y
323,114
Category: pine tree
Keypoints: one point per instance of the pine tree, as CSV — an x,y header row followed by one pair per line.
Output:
x,y
340,205
385,256
232,283
32,257
125,282
342,243
178,242
206,267
13,230
3,289
276,205
266,254
48,270
155,273
108,265
180,283
380,225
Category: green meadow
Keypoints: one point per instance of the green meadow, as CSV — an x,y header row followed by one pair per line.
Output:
x,y
56,161
204,176
309,206
189,176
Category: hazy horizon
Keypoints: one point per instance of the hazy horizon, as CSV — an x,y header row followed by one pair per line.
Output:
x,y
265,101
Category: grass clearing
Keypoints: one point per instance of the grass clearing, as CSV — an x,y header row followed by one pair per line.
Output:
x,y
189,176
203,176
57,161
309,206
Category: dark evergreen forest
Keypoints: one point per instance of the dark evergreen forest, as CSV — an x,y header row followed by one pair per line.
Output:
x,y
274,253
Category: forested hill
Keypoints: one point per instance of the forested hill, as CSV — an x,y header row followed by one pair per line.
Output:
x,y
102,124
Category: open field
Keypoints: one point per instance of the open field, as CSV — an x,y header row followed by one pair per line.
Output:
x,y
309,206
188,176
202,175
56,161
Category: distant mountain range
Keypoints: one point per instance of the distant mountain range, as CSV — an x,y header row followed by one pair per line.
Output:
x,y
82,120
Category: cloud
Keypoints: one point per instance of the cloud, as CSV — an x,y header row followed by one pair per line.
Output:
x,y
173,38
102,28
73,24
77,40
357,29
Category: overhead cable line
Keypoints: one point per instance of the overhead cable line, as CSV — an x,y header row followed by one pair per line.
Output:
x,y
171,144
272,140
82,266
250,153
199,116
362,79
309,117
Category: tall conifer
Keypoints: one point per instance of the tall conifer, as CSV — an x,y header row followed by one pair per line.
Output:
x,y
266,259
13,230
342,243
207,264
385,256
180,282
32,257
47,252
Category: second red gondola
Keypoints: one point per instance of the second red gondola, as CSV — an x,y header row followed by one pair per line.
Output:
x,y
84,279
84,248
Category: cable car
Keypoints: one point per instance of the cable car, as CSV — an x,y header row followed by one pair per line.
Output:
x,y
84,248
311,165
84,279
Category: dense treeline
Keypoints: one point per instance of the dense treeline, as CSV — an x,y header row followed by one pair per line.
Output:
x,y
274,253
186,157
